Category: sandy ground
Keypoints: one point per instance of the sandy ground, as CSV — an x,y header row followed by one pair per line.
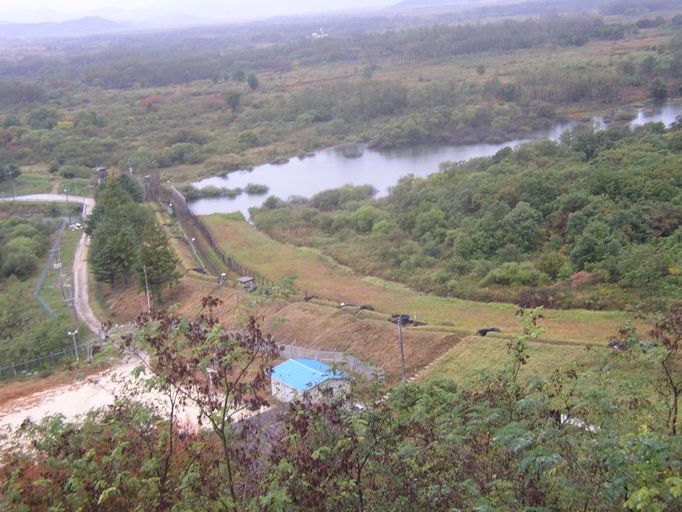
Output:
x,y
74,400
71,400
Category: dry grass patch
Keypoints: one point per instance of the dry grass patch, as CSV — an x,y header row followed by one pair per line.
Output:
x,y
320,275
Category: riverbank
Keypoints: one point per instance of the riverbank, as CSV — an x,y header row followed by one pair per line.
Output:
x,y
332,168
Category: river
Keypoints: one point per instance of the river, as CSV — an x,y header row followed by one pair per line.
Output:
x,y
332,168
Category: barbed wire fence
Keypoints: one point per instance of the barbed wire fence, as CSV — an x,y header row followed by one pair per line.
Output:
x,y
39,363
193,224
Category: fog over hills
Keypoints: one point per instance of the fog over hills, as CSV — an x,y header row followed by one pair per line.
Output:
x,y
70,28
151,12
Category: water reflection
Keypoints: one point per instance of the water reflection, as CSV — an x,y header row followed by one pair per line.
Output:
x,y
359,165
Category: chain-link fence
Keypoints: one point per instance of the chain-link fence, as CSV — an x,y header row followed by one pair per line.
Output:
x,y
39,363
350,362
193,224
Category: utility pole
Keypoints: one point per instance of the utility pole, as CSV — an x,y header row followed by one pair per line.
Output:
x,y
68,210
146,288
402,350
401,321
75,343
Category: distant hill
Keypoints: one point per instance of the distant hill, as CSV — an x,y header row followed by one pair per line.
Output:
x,y
498,7
459,5
71,28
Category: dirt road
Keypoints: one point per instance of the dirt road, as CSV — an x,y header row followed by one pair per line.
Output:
x,y
80,279
80,270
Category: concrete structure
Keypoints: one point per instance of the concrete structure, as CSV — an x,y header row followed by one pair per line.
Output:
x,y
248,282
297,377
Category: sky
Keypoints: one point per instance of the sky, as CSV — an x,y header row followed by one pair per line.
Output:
x,y
136,10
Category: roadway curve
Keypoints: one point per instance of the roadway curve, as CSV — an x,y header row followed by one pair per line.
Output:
x,y
80,268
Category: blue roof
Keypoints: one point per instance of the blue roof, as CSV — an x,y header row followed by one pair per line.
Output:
x,y
304,374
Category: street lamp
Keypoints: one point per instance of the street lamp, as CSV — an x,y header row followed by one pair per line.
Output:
x,y
401,320
75,343
68,212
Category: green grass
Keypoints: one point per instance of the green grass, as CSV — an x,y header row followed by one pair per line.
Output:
x,y
51,292
597,367
26,184
475,355
320,275
75,187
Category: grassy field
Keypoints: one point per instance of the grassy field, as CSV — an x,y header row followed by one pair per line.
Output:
x,y
51,292
597,368
319,275
475,355
26,184
76,187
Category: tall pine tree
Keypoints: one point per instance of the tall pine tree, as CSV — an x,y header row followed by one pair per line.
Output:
x,y
157,260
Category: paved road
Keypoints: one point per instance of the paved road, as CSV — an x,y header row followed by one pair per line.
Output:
x,y
50,198
80,270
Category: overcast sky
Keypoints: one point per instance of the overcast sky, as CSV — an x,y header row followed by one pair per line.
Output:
x,y
51,10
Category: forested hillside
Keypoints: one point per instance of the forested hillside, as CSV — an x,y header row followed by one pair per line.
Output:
x,y
591,221
570,410
565,441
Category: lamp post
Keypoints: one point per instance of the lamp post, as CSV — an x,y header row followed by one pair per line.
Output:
x,y
146,288
401,321
68,210
75,343
402,350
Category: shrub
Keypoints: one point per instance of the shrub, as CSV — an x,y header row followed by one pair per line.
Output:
x,y
513,273
75,171
256,189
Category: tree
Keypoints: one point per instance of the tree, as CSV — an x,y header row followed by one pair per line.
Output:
x,y
222,373
658,89
239,76
9,171
157,266
130,184
668,332
115,247
11,120
114,251
233,98
43,119
253,81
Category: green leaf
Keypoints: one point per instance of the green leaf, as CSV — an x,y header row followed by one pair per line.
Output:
x,y
106,494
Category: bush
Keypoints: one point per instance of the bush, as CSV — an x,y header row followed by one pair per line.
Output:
x,y
248,139
75,171
256,189
513,273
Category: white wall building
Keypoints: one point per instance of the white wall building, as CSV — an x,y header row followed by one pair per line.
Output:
x,y
295,377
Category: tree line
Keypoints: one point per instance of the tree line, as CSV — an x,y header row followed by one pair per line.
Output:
x,y
503,441
521,225
127,241
160,62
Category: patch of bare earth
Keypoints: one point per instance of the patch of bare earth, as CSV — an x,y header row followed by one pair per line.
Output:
x,y
373,341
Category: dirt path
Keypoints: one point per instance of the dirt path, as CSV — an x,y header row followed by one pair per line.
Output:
x,y
80,269
80,279
76,399
71,399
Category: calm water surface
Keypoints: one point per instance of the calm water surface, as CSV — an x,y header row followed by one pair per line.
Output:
x,y
330,168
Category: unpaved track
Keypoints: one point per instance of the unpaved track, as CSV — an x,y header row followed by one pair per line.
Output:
x,y
80,269
80,278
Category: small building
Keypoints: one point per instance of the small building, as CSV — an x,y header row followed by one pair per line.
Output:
x,y
297,377
248,282
102,174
